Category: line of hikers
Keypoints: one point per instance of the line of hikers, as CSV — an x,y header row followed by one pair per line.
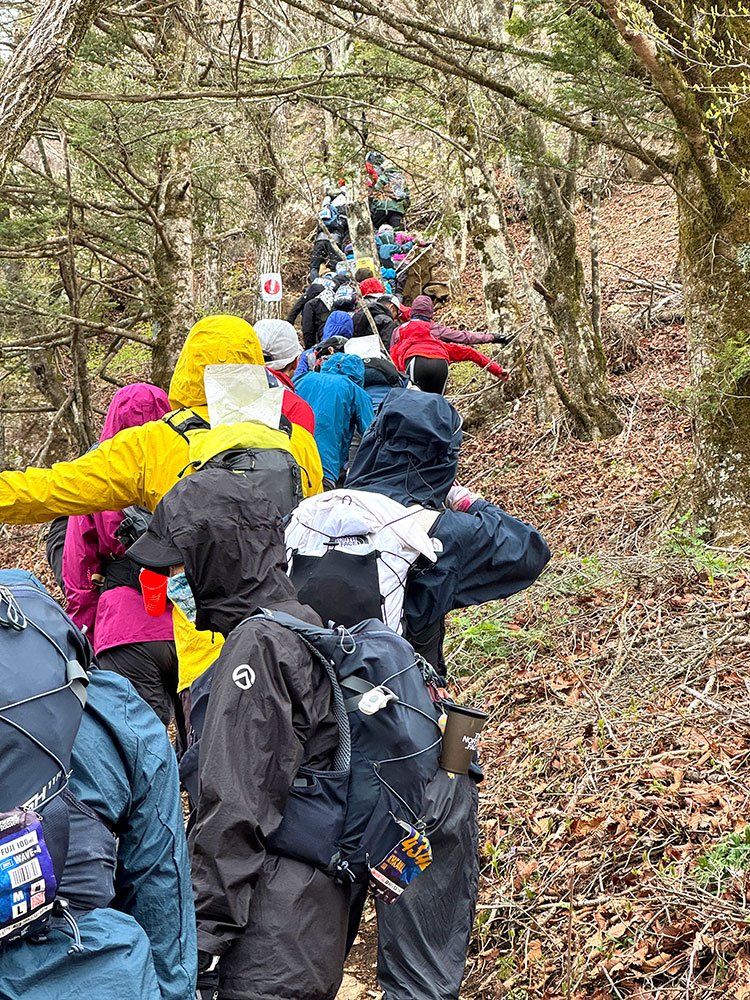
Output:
x,y
388,202
267,554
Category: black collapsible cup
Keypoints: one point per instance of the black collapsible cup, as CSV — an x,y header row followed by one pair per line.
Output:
x,y
461,736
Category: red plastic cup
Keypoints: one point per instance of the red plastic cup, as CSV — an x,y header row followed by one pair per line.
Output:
x,y
154,589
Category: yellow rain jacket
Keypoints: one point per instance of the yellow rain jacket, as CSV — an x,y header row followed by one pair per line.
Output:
x,y
140,464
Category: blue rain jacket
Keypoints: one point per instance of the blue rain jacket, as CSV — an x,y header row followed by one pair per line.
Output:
x,y
410,453
341,407
144,944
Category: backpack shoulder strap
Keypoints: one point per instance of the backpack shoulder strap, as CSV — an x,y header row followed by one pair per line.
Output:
x,y
182,424
316,640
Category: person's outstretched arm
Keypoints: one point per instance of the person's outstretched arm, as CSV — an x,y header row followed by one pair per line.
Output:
x,y
459,352
487,555
109,478
449,333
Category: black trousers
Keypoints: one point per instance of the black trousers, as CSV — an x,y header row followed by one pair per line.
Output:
x,y
383,217
424,937
429,374
151,667
322,251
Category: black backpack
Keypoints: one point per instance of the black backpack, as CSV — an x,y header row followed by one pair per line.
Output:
x,y
273,470
43,680
353,820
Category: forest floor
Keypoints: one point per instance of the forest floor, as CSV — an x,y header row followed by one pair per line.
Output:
x,y
615,851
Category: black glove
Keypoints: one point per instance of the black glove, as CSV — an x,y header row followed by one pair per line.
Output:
x,y
207,987
503,338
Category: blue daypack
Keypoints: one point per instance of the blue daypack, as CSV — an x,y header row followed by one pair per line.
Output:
x,y
361,820
43,680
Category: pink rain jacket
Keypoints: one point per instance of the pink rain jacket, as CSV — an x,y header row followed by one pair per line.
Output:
x,y
112,617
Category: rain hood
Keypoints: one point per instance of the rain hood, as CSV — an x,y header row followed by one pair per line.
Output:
x,y
214,340
410,451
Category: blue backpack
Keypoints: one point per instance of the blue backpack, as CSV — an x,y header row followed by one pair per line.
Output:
x,y
328,215
43,680
361,820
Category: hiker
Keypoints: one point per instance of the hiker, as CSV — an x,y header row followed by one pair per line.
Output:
x,y
338,329
126,878
101,586
425,359
314,288
385,311
341,407
140,464
268,926
314,315
281,353
332,231
422,308
437,547
389,195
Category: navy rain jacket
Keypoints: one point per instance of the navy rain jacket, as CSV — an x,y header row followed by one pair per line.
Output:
x,y
410,453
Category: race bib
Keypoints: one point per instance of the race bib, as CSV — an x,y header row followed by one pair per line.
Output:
x,y
27,877
408,859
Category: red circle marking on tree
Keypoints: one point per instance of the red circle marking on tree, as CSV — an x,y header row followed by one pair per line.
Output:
x,y
272,286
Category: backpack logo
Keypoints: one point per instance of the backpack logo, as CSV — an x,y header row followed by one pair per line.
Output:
x,y
243,676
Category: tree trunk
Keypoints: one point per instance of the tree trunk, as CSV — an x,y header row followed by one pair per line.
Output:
x,y
270,202
484,213
173,296
211,294
37,68
358,213
715,264
585,395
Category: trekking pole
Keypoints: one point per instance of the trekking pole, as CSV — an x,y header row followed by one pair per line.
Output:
x,y
406,264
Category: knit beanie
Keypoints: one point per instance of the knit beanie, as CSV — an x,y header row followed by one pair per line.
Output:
x,y
422,306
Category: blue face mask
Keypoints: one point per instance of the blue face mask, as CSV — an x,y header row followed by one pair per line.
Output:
x,y
180,594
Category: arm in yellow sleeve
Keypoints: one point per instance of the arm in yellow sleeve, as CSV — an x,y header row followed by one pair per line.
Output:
x,y
306,454
109,478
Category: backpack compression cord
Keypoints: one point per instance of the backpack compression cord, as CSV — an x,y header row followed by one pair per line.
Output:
x,y
41,704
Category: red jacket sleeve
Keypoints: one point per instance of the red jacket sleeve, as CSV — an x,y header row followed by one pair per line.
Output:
x,y
459,352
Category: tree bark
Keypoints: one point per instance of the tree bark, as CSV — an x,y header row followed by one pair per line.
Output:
x,y
269,198
173,294
484,213
36,69
358,214
715,265
585,394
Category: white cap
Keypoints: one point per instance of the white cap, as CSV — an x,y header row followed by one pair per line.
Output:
x,y
278,341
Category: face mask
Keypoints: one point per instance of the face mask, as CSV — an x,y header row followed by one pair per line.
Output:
x,y
180,594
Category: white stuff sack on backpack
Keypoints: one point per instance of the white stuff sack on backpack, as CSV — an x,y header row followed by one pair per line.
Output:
x,y
358,522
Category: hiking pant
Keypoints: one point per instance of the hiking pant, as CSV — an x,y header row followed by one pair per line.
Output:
x,y
423,938
384,217
151,667
429,374
322,251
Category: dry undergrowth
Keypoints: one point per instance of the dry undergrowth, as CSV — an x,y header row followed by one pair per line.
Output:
x,y
614,809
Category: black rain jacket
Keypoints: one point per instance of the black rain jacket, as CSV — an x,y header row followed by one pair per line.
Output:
x,y
278,925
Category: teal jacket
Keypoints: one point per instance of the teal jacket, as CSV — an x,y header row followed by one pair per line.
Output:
x,y
144,944
341,407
